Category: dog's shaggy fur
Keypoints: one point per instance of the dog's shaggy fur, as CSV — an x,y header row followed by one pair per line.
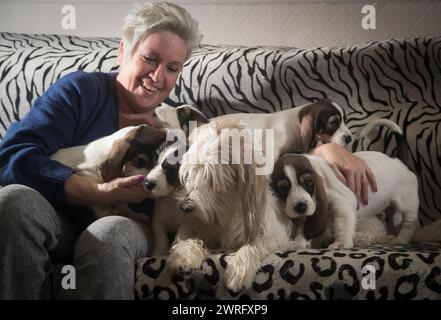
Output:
x,y
227,208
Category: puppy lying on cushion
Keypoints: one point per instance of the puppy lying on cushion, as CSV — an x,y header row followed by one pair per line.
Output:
x,y
309,190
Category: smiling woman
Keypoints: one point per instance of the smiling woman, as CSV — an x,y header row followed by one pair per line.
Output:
x,y
148,75
45,199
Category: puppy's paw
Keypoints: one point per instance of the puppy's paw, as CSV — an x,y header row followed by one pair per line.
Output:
x,y
398,240
187,255
298,244
338,245
238,275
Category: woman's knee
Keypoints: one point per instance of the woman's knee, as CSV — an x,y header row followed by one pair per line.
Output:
x,y
114,235
19,204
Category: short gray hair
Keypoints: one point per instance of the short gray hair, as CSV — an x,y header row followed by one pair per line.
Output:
x,y
160,16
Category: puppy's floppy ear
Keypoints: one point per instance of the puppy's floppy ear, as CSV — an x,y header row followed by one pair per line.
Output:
x,y
189,113
307,132
316,224
141,138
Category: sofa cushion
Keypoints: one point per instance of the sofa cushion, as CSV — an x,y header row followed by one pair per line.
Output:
x,y
376,272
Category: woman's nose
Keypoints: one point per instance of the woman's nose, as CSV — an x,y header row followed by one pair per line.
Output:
x,y
157,75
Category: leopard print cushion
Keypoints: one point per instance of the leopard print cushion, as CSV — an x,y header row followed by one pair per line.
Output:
x,y
401,272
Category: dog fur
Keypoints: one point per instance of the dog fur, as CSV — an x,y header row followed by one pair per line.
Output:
x,y
397,194
226,207
129,151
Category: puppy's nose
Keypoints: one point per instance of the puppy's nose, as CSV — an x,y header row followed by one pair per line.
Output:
x,y
150,184
348,139
301,207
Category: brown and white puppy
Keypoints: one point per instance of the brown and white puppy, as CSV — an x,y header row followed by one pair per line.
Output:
x,y
301,128
302,195
397,194
166,116
129,151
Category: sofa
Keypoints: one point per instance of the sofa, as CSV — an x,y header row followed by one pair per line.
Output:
x,y
395,79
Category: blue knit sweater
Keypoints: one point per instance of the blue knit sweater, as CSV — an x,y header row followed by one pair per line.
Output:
x,y
76,110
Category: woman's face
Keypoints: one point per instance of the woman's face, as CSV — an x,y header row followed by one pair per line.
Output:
x,y
147,76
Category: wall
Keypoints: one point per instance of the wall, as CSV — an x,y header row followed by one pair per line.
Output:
x,y
246,22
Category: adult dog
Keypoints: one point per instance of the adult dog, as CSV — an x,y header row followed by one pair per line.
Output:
x,y
228,207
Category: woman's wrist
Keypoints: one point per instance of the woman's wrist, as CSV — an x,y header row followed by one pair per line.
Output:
x,y
83,190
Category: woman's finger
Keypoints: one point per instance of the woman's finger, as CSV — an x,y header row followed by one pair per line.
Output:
x,y
364,190
339,175
357,182
371,179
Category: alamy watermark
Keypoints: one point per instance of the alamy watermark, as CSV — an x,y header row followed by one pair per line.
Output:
x,y
236,146
69,18
368,282
369,20
69,281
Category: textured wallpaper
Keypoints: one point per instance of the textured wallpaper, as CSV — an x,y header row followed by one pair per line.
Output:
x,y
245,22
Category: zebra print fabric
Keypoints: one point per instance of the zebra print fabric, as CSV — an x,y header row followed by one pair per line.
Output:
x,y
29,64
396,79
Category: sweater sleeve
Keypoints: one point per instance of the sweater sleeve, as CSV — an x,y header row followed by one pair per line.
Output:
x,y
51,124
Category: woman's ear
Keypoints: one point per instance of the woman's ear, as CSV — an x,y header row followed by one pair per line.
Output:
x,y
119,60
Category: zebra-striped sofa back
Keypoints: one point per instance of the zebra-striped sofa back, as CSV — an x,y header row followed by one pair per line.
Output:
x,y
395,79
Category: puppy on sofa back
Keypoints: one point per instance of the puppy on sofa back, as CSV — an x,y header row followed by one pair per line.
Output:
x,y
301,128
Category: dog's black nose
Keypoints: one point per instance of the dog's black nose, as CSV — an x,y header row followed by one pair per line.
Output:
x,y
150,184
348,139
301,207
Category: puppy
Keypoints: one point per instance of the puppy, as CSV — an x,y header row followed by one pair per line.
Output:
x,y
166,116
309,189
162,182
227,207
129,151
301,128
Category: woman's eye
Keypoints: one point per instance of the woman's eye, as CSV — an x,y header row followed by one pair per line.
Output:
x,y
149,60
173,69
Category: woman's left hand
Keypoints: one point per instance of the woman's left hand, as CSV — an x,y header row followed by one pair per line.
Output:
x,y
350,169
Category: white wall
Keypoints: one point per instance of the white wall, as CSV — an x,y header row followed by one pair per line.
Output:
x,y
246,22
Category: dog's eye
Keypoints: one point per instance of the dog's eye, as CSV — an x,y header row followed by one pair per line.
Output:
x,y
283,186
141,163
334,124
308,185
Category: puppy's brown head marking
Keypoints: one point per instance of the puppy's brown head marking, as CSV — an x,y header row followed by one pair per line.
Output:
x,y
310,181
318,121
189,113
141,140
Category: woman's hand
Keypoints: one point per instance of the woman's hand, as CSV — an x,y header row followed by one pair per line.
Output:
x,y
84,190
350,169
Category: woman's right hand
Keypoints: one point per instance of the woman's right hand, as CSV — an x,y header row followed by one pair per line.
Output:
x,y
84,190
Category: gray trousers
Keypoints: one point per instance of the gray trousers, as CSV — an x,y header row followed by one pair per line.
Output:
x,y
37,242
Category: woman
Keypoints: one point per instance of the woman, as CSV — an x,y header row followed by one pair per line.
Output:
x,y
37,228
40,208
